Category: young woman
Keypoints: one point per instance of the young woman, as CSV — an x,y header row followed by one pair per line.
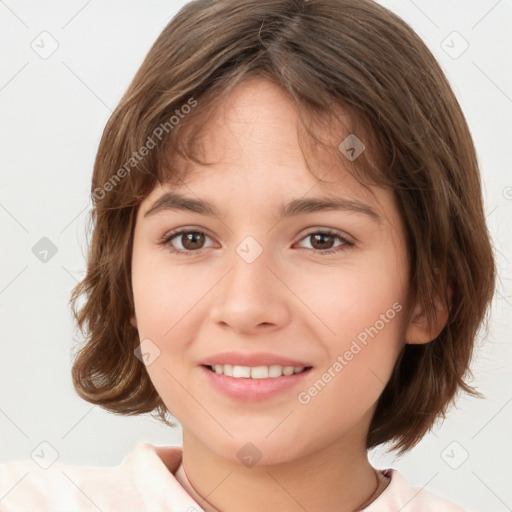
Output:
x,y
289,256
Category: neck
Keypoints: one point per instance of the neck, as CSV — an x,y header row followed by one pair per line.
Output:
x,y
336,478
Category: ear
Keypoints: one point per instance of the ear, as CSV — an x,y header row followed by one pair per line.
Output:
x,y
133,321
418,330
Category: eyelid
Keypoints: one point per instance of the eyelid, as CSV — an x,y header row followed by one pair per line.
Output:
x,y
168,235
331,231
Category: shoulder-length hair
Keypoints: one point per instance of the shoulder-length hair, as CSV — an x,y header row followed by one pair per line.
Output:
x,y
327,55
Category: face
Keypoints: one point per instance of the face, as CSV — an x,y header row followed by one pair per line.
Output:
x,y
327,287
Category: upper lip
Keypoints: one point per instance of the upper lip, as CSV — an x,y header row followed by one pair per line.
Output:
x,y
252,359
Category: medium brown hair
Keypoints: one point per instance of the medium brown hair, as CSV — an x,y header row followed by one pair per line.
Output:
x,y
325,54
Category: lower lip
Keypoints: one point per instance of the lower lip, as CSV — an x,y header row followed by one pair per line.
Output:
x,y
253,389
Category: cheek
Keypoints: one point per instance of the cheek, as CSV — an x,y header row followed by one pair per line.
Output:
x,y
361,330
169,310
361,358
166,315
165,293
353,296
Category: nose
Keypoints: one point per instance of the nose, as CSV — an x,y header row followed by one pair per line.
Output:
x,y
251,297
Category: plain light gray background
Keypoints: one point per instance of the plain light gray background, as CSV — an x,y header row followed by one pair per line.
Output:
x,y
53,112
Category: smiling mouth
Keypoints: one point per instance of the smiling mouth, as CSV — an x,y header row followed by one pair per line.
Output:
x,y
256,372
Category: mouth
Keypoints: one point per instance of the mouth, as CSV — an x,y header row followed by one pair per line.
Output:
x,y
253,384
256,372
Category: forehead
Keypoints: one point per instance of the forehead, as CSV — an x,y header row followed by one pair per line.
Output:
x,y
258,119
257,154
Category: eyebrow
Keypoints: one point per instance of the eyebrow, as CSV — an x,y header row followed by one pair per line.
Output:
x,y
177,201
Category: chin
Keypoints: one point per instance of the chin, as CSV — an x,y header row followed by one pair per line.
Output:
x,y
256,449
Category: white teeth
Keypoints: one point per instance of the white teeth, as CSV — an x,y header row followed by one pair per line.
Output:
x,y
275,370
255,372
241,371
259,372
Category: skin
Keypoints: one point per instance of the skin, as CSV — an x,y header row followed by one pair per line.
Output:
x,y
289,301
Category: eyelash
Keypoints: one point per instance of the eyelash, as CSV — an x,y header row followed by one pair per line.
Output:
x,y
168,237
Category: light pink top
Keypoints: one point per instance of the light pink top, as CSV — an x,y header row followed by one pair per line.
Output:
x,y
144,481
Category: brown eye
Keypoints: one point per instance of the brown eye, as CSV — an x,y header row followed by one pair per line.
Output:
x,y
184,241
192,240
322,241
